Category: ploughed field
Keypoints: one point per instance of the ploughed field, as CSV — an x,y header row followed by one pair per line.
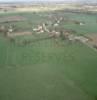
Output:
x,y
47,69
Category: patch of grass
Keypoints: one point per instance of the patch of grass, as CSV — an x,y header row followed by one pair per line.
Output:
x,y
48,70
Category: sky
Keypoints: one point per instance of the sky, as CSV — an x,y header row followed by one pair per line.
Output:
x,y
48,0
30,0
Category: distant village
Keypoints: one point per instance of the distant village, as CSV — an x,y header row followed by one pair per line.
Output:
x,y
52,28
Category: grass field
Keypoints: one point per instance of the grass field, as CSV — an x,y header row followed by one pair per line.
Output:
x,y
46,70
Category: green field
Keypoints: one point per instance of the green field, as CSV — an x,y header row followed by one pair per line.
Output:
x,y
46,70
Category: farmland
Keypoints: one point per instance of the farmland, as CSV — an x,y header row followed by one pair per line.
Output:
x,y
36,67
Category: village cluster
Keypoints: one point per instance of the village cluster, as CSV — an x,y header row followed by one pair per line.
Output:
x,y
52,28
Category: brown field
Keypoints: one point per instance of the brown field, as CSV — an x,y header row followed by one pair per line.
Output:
x,y
19,34
93,38
11,19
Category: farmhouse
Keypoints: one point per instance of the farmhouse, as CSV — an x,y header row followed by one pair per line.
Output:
x,y
39,29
